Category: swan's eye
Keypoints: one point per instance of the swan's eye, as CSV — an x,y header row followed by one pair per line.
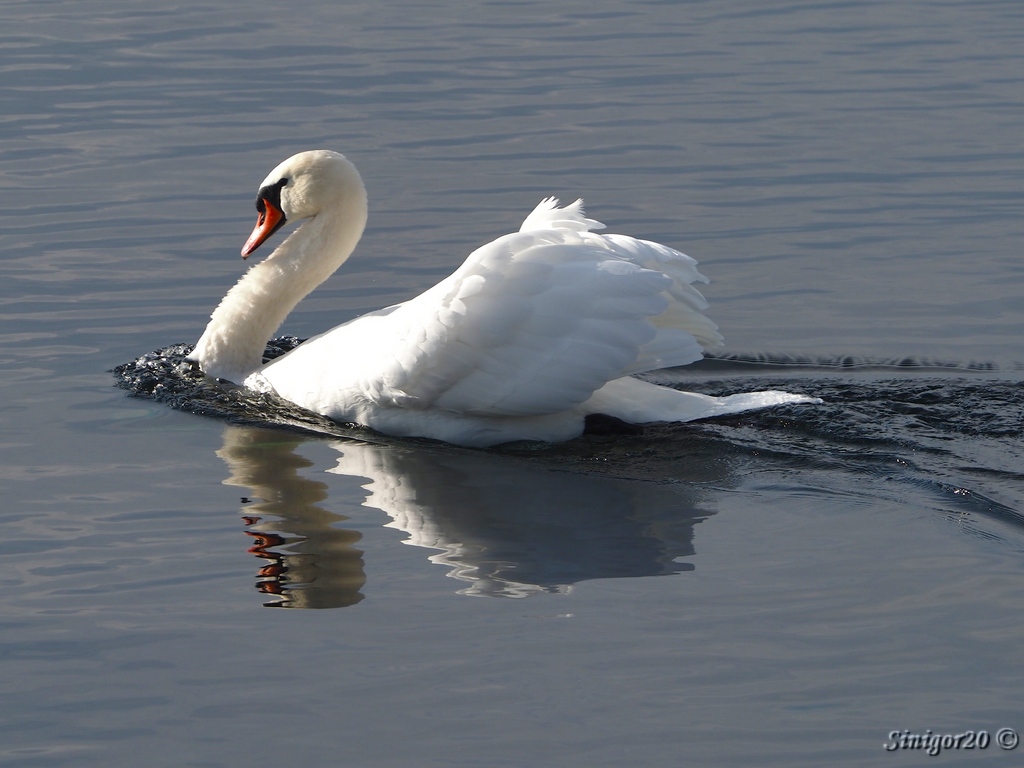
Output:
x,y
270,193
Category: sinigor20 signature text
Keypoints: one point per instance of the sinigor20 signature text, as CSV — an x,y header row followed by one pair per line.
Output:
x,y
935,743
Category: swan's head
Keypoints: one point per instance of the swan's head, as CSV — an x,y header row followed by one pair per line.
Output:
x,y
301,187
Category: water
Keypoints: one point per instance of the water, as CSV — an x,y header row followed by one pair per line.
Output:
x,y
784,589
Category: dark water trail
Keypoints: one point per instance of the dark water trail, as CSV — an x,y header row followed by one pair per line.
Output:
x,y
952,430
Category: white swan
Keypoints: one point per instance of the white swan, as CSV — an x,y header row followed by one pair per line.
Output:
x,y
535,331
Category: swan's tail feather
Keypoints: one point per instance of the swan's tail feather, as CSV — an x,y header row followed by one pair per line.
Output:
x,y
640,402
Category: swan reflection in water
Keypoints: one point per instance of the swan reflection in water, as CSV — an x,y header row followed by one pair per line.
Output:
x,y
503,524
311,562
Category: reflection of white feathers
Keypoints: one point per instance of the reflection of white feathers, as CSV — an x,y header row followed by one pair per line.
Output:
x,y
534,331
397,495
509,528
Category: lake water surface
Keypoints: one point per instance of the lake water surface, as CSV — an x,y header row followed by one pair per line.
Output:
x,y
781,589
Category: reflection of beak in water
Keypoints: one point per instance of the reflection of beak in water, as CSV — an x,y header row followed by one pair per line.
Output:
x,y
512,528
311,563
508,526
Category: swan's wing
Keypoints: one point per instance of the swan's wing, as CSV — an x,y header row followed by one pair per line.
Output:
x,y
536,321
683,323
686,302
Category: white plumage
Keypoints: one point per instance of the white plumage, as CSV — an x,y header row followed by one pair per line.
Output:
x,y
536,329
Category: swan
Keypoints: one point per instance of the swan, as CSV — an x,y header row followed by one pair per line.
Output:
x,y
536,331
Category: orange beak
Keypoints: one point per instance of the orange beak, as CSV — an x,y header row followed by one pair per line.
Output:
x,y
269,221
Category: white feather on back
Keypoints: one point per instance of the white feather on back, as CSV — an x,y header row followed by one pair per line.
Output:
x,y
547,215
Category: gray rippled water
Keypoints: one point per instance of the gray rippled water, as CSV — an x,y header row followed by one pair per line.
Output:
x,y
784,588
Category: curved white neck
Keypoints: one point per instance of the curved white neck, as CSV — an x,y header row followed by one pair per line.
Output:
x,y
232,346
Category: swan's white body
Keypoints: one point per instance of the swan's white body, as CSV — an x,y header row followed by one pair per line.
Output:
x,y
535,331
